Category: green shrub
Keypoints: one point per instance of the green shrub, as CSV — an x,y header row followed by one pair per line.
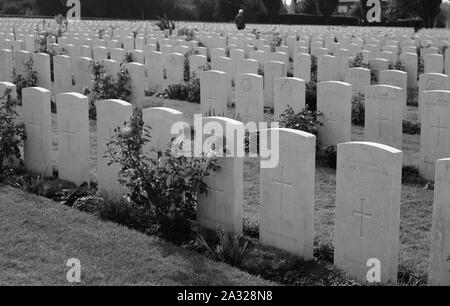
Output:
x,y
328,157
413,97
276,41
420,66
358,110
228,248
187,66
306,121
190,91
399,65
164,23
12,134
189,33
165,188
311,96
105,86
411,176
178,92
28,79
313,69
411,128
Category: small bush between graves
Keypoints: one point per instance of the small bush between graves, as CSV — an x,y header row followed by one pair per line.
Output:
x,y
358,110
411,176
12,134
190,91
306,121
399,65
413,97
411,128
311,96
276,41
28,79
358,62
105,86
189,33
164,24
420,66
224,247
165,188
187,66
327,157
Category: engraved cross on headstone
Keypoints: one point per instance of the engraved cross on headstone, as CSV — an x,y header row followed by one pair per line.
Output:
x,y
69,133
380,120
439,128
283,185
363,215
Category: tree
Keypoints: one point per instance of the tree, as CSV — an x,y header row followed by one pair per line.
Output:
x,y
204,9
427,10
272,7
226,10
327,7
51,7
308,7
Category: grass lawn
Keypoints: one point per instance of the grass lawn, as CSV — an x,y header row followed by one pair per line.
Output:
x,y
38,236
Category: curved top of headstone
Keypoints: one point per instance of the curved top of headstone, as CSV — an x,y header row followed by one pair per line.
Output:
x,y
35,89
162,110
370,145
292,131
72,94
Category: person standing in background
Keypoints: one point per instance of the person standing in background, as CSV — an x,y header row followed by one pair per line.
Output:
x,y
240,21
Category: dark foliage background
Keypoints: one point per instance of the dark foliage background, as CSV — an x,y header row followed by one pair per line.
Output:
x,y
430,12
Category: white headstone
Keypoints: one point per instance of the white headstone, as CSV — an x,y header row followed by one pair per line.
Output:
x,y
73,137
111,114
384,115
289,92
439,269
334,101
287,195
38,128
435,134
368,194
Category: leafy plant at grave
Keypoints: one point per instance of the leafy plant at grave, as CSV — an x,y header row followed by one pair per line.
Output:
x,y
411,177
358,110
164,23
443,49
189,91
276,41
311,96
306,121
105,86
189,33
373,75
178,92
12,134
399,65
313,68
165,188
60,21
358,62
411,128
128,58
421,66
28,79
228,248
101,33
187,67
328,157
